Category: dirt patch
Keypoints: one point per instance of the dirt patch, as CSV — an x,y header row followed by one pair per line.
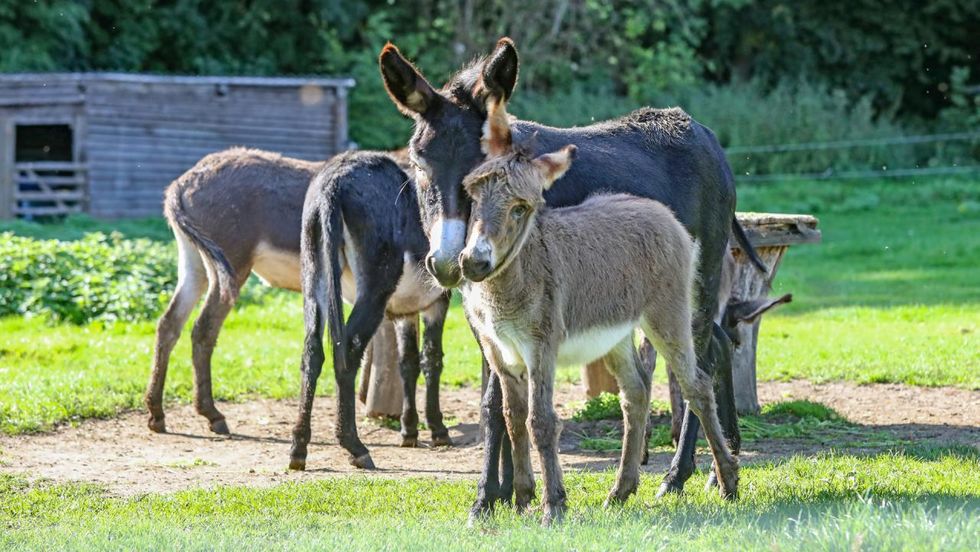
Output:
x,y
883,403
123,455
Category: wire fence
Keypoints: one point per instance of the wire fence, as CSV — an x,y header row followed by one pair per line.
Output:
x,y
858,174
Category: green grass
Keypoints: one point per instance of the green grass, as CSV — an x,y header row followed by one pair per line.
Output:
x,y
925,499
891,295
804,422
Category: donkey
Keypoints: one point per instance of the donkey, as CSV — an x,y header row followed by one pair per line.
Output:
x,y
659,154
362,239
569,285
216,251
731,313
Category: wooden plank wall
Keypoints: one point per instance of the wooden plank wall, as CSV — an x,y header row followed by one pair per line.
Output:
x,y
140,136
40,92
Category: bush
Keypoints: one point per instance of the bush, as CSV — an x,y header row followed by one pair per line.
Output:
x,y
605,406
745,114
99,277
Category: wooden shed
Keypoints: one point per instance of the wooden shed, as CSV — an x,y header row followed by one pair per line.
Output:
x,y
109,143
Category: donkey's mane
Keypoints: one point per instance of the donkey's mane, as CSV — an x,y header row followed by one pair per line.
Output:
x,y
461,86
665,126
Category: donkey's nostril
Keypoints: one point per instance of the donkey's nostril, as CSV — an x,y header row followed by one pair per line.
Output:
x,y
475,269
430,264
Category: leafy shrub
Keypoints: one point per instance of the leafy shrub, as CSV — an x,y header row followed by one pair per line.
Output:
x,y
99,277
605,406
801,409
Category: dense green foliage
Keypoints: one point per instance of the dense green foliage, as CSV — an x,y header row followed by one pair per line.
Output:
x,y
855,69
915,499
99,277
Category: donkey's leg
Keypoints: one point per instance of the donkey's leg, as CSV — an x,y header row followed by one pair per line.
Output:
x,y
623,363
204,336
706,307
545,431
191,282
310,368
407,332
515,391
434,318
496,449
365,317
648,362
674,342
721,346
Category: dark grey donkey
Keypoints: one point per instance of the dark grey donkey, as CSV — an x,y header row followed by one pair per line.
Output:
x,y
235,212
362,238
662,155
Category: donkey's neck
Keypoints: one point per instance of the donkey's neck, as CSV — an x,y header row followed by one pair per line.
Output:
x,y
519,282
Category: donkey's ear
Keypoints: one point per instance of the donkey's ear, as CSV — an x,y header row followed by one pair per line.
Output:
x,y
499,74
553,165
749,311
496,139
406,86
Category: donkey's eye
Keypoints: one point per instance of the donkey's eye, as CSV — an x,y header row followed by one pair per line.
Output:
x,y
518,212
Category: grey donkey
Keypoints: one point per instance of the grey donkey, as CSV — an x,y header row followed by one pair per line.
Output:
x,y
546,287
235,212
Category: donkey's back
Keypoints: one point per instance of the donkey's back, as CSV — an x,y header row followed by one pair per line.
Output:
x,y
615,253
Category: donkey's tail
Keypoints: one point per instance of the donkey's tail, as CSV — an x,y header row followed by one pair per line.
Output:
x,y
743,242
323,236
174,210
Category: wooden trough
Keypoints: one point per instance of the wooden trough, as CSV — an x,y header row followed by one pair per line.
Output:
x,y
771,234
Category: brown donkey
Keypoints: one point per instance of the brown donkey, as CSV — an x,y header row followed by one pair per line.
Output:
x,y
234,212
569,286
239,211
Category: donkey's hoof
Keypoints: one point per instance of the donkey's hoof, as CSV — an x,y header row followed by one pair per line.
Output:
x,y
669,487
617,497
157,425
522,501
553,515
727,482
297,464
442,441
363,461
480,512
410,442
728,492
712,481
220,427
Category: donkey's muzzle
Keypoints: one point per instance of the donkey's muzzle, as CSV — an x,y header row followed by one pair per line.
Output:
x,y
445,272
475,268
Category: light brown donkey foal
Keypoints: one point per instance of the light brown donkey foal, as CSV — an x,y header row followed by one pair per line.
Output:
x,y
569,286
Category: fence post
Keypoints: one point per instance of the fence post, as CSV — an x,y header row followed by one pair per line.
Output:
x,y
6,169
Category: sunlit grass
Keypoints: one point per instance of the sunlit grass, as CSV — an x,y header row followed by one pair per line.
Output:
x,y
925,499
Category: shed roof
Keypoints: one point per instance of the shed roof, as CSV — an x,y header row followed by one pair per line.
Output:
x,y
44,78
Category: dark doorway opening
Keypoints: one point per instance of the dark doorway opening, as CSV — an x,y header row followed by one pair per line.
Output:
x,y
48,183
37,143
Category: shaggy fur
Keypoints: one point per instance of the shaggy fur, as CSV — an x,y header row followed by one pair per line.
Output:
x,y
569,285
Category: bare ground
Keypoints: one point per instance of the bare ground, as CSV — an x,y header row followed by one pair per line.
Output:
x,y
123,455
